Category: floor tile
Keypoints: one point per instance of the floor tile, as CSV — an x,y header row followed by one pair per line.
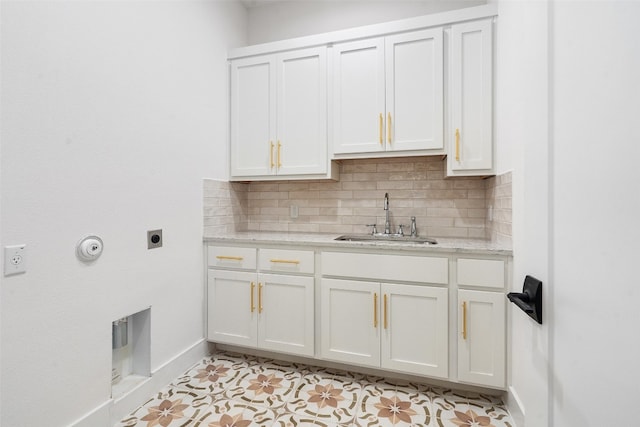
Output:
x,y
268,385
169,407
245,391
391,406
228,412
214,374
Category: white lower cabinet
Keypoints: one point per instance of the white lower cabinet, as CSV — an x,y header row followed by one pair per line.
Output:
x,y
393,326
232,316
286,314
415,335
268,311
262,310
481,321
384,310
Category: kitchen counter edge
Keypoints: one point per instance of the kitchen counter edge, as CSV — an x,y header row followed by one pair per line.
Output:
x,y
326,240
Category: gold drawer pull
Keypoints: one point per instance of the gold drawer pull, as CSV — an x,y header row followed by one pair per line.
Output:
x,y
464,320
380,133
457,145
229,258
389,128
259,297
385,311
375,310
286,261
271,155
253,286
279,155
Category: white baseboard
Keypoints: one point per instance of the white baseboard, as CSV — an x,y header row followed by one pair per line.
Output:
x,y
114,410
515,408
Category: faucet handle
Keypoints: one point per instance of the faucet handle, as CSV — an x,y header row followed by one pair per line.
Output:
x,y
374,230
400,229
414,231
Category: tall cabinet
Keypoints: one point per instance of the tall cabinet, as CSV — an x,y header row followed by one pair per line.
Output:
x,y
279,115
388,94
470,130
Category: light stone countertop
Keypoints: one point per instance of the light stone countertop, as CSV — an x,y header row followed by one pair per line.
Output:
x,y
321,240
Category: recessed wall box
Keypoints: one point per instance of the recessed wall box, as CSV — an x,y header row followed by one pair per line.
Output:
x,y
154,239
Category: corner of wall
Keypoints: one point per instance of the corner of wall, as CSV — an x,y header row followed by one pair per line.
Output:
x,y
515,407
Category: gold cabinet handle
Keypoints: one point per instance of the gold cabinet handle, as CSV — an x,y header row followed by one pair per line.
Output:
x,y
375,310
271,155
253,286
285,261
259,297
380,133
457,145
279,157
385,311
464,320
229,258
389,128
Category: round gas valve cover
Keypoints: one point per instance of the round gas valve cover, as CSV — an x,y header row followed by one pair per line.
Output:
x,y
89,248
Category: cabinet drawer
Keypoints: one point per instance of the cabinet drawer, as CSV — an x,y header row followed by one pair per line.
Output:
x,y
481,272
281,260
231,257
386,267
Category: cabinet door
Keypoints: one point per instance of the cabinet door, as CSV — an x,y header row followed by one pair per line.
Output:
x,y
302,112
350,317
414,91
232,310
358,97
253,116
415,329
285,307
481,338
471,98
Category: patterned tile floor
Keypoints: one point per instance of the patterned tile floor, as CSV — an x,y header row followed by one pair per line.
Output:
x,y
230,390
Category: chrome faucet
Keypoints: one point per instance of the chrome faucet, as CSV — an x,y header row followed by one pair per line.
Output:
x,y
387,224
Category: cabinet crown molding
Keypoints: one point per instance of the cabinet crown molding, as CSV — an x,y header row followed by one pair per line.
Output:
x,y
351,34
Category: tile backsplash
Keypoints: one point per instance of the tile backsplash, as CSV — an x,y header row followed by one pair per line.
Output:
x,y
451,207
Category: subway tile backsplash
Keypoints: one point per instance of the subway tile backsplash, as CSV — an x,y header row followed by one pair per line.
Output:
x,y
451,207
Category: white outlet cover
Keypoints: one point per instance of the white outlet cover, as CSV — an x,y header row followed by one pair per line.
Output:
x,y
15,259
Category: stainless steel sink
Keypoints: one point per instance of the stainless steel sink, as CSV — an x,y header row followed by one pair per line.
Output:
x,y
381,237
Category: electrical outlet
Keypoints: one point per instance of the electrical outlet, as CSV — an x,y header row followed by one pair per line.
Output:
x,y
293,211
15,261
154,239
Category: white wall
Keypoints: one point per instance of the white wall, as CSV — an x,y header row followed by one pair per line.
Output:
x,y
522,133
290,19
595,209
112,113
568,100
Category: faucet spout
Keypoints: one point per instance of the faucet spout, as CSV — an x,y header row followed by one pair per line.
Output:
x,y
387,224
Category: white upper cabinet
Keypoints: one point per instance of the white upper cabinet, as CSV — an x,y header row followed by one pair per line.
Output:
x,y
253,116
388,95
418,87
414,97
279,115
358,97
470,130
